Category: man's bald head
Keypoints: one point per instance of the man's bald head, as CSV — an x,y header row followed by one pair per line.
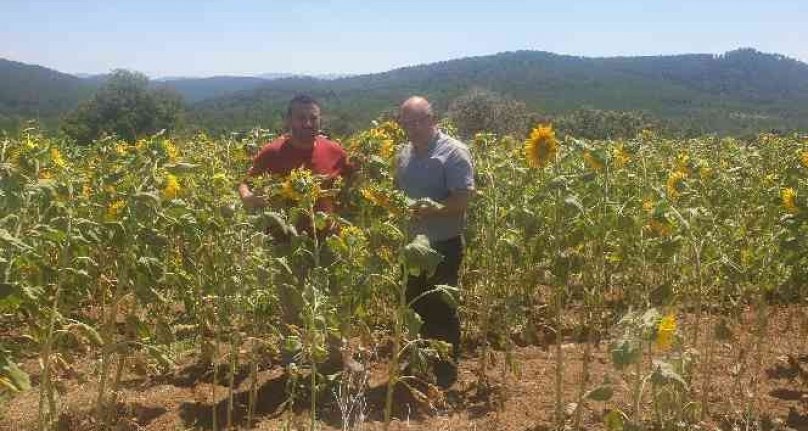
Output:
x,y
417,119
417,106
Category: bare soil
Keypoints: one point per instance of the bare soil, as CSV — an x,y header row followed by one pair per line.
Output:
x,y
766,376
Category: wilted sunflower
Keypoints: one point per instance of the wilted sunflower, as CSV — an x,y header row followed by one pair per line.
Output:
x,y
541,147
674,181
171,189
789,197
666,330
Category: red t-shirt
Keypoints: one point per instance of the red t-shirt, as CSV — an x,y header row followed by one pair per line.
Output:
x,y
326,158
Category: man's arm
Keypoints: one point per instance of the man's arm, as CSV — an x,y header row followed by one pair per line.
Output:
x,y
456,203
250,199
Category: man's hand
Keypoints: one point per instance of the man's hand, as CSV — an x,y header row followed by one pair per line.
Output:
x,y
420,211
456,203
250,199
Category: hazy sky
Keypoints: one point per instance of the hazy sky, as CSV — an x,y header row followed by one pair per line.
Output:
x,y
240,37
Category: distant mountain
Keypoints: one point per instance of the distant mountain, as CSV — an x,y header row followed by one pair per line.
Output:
x,y
737,92
197,89
740,91
36,92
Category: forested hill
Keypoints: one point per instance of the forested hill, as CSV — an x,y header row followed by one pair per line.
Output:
x,y
740,91
737,92
36,92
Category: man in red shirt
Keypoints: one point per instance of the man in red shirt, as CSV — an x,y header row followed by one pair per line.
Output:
x,y
304,146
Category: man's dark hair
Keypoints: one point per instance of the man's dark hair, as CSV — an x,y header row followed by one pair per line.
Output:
x,y
301,99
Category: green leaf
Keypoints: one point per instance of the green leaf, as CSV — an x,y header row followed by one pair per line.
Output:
x,y
5,236
88,331
420,258
601,393
413,322
574,202
180,167
664,373
625,352
14,378
614,421
150,199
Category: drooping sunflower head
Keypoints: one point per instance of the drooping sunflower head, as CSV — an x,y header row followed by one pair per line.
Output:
x,y
594,161
789,197
666,331
541,147
171,187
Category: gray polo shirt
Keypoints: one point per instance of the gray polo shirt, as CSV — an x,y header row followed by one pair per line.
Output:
x,y
445,167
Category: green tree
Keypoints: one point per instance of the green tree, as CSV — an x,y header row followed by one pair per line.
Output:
x,y
481,110
124,106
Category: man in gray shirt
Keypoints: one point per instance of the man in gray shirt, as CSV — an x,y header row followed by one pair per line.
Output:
x,y
436,166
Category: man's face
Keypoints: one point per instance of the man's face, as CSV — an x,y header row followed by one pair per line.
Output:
x,y
304,122
418,125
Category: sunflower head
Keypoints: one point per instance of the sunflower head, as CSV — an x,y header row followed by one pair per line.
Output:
x,y
170,150
171,188
620,156
674,184
301,185
56,158
789,197
666,331
594,161
541,147
115,209
804,158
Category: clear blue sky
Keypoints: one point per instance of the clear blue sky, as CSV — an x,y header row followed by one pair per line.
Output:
x,y
241,37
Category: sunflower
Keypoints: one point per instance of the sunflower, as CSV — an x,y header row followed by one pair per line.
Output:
x,y
288,191
620,155
804,158
56,158
387,149
300,185
674,182
541,147
380,198
660,227
170,149
171,189
593,161
789,197
666,330
114,210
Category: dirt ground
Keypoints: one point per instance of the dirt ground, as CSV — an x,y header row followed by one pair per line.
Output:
x,y
520,401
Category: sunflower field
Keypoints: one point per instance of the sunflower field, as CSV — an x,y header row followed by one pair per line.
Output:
x,y
641,268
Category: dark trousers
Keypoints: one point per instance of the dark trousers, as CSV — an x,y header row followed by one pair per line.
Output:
x,y
439,316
